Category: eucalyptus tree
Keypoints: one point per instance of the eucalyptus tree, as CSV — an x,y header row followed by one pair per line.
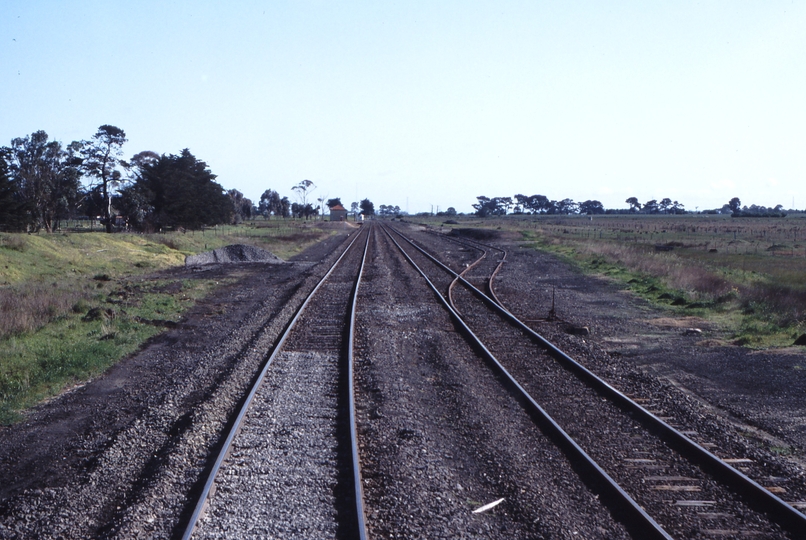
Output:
x,y
591,207
102,162
303,191
46,177
242,207
285,207
15,212
270,203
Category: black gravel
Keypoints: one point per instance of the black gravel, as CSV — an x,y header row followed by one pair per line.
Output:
x,y
666,399
440,435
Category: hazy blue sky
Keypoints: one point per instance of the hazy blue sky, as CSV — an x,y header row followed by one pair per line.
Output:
x,y
431,102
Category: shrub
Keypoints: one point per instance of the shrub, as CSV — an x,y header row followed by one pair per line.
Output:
x,y
17,242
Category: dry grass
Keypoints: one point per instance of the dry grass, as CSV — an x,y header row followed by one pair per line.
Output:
x,y
698,282
16,242
169,241
26,308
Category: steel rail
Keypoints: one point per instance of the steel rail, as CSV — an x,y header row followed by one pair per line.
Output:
x,y
633,516
754,493
358,484
201,503
475,245
492,278
465,271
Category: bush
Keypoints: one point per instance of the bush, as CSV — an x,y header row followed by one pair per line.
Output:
x,y
16,242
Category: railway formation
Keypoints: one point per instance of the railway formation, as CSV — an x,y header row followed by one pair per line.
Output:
x,y
380,413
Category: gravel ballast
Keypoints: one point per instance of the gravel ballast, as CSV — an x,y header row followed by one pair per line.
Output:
x,y
236,253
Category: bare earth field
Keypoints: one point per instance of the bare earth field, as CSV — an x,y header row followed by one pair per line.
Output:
x,y
91,462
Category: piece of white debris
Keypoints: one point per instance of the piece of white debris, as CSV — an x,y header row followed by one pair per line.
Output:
x,y
488,506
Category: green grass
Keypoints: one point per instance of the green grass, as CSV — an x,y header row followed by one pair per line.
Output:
x,y
74,304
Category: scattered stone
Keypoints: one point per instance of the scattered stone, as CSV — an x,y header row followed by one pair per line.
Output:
x,y
578,330
236,253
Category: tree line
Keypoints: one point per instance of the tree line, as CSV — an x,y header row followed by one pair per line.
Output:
x,y
43,182
540,204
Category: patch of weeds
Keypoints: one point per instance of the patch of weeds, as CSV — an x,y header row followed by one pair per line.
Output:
x,y
58,355
82,306
86,341
14,242
782,450
168,241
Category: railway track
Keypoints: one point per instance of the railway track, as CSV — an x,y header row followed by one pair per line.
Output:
x,y
422,429
441,437
289,464
655,478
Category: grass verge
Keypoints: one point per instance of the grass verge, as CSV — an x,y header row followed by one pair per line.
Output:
x,y
74,304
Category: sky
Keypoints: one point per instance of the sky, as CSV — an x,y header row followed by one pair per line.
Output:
x,y
429,104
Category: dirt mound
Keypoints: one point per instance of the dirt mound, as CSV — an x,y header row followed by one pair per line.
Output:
x,y
236,253
476,234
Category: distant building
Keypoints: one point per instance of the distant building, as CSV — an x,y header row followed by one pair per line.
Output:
x,y
338,213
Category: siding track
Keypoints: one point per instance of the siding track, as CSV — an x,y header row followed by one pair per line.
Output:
x,y
690,491
440,435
